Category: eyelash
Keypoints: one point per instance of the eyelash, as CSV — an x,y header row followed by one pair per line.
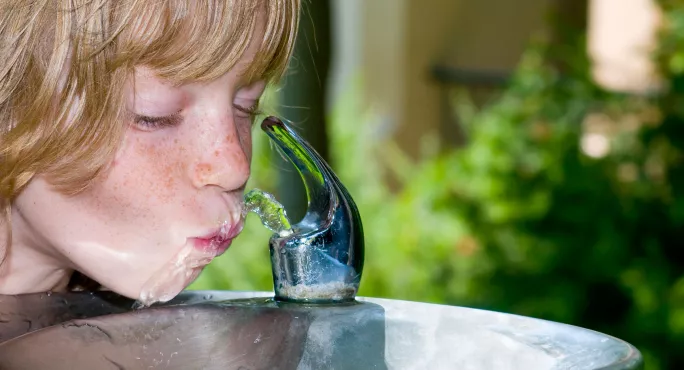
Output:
x,y
251,112
153,123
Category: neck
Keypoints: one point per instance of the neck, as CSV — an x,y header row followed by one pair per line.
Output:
x,y
25,267
21,273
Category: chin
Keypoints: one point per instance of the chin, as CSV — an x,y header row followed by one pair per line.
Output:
x,y
166,285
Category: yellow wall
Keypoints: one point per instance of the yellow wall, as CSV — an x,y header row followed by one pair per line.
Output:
x,y
402,39
394,43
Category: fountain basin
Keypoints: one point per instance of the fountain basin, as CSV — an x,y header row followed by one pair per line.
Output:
x,y
248,330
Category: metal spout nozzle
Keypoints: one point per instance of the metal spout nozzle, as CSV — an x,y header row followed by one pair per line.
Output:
x,y
322,259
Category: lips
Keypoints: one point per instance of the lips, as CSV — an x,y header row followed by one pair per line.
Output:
x,y
218,241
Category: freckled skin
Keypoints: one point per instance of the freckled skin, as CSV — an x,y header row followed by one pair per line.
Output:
x,y
166,186
203,171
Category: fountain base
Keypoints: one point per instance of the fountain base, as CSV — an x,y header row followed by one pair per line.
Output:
x,y
250,330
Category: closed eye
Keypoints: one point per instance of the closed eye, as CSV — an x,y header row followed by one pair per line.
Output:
x,y
248,112
149,123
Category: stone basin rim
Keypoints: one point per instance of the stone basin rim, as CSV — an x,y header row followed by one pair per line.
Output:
x,y
632,357
550,344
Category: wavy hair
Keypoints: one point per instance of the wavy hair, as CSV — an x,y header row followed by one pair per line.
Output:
x,y
65,62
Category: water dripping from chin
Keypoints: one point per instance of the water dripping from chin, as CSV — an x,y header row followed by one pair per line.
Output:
x,y
174,276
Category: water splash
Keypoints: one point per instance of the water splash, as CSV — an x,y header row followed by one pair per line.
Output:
x,y
269,210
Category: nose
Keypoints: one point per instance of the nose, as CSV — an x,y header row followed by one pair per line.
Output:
x,y
225,159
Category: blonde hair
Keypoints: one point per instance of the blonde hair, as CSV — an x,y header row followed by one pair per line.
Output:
x,y
65,63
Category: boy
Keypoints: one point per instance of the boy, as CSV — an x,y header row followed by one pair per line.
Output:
x,y
125,139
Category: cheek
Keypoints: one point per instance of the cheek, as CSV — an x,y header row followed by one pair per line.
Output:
x,y
155,169
146,176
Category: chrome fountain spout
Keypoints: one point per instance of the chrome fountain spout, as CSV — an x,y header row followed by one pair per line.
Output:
x,y
321,259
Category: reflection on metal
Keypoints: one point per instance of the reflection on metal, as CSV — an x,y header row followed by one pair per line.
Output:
x,y
196,330
322,259
251,330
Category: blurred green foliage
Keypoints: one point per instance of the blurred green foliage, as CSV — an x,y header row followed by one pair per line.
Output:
x,y
522,219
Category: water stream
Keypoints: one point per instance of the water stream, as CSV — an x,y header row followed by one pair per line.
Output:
x,y
269,210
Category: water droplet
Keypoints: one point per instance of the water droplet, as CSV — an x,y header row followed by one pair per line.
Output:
x,y
269,210
49,293
137,305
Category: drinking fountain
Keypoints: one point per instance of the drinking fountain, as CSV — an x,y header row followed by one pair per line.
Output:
x,y
313,318
320,259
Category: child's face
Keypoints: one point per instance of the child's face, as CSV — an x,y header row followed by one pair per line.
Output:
x,y
171,200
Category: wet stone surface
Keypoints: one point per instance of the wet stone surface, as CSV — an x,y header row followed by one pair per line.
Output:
x,y
102,330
